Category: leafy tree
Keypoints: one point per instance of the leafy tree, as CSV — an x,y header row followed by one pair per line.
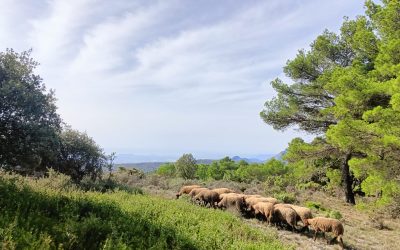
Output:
x,y
346,90
29,123
202,171
167,169
110,164
79,155
186,166
214,171
260,171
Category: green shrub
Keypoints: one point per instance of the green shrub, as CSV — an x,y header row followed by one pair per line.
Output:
x,y
286,197
315,205
334,214
309,186
104,185
166,169
335,179
327,212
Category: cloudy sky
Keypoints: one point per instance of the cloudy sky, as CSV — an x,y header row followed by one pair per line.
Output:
x,y
160,78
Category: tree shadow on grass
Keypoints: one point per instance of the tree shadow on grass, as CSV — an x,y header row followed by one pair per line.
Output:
x,y
78,223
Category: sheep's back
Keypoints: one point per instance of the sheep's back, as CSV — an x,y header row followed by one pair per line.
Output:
x,y
285,214
328,225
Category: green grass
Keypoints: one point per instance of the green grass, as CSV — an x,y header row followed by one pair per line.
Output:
x,y
39,216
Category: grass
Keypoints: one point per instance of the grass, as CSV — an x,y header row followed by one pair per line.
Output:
x,y
38,215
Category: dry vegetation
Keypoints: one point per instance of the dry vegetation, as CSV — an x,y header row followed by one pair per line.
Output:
x,y
363,230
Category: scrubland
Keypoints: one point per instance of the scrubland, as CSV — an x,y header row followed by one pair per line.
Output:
x,y
52,213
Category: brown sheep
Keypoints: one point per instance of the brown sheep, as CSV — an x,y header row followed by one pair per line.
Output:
x,y
264,208
208,197
285,214
196,191
232,200
186,190
223,190
251,201
327,225
231,194
303,213
252,195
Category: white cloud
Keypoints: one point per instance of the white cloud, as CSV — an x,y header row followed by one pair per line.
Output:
x,y
168,76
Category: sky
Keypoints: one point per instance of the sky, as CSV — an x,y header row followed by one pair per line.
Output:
x,y
155,79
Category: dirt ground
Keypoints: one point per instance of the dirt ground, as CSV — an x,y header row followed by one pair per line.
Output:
x,y
360,231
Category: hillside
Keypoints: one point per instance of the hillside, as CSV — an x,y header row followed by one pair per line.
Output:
x,y
50,214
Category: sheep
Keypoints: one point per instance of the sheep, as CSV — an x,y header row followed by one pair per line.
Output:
x,y
264,208
286,214
223,190
208,197
252,195
327,225
303,213
231,194
186,190
251,201
196,191
232,200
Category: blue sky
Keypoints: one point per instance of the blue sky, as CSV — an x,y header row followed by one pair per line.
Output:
x,y
161,78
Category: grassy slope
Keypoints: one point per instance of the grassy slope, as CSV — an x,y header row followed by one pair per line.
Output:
x,y
38,217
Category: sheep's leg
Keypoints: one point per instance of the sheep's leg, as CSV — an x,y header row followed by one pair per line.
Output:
x,y
339,239
331,241
315,234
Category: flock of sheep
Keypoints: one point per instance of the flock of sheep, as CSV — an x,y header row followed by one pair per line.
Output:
x,y
266,208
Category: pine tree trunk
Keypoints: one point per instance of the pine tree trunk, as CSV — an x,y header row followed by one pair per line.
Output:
x,y
347,180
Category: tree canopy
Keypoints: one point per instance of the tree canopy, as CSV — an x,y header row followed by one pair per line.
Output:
x,y
29,122
186,166
346,89
32,138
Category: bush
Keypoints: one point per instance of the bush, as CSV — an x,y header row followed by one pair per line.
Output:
x,y
56,180
334,214
309,186
166,169
105,185
286,197
327,212
314,205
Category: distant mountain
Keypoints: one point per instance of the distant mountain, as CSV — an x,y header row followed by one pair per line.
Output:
x,y
204,161
280,155
130,158
144,166
152,166
149,166
249,160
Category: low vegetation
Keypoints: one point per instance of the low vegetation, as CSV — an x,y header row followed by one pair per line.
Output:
x,y
48,214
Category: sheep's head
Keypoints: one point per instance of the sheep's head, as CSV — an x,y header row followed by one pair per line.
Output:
x,y
242,204
177,195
